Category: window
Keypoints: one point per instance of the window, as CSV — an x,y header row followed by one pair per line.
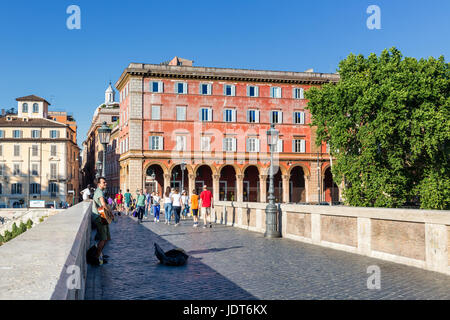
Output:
x,y
252,91
34,169
275,92
205,114
35,150
54,134
181,88
35,108
16,150
114,118
229,144
298,93
53,150
35,134
299,117
205,144
2,134
53,171
299,146
1,150
16,188
52,187
181,113
16,169
253,116
181,143
205,88
156,112
35,188
157,87
276,117
156,143
252,145
229,90
279,146
25,108
2,169
1,188
17,134
229,115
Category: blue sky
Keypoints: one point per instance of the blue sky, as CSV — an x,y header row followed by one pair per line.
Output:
x,y
72,68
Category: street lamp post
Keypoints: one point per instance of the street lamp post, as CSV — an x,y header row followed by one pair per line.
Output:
x,y
183,167
104,133
99,166
271,209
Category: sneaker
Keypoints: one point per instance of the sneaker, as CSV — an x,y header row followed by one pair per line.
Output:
x,y
210,225
204,226
195,225
154,220
176,224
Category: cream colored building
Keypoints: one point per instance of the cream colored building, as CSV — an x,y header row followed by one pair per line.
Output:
x,y
38,157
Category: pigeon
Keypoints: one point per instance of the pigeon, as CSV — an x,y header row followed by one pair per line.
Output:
x,y
174,257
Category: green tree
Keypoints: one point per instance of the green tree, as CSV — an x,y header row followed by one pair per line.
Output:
x,y
29,223
387,125
22,227
8,236
15,230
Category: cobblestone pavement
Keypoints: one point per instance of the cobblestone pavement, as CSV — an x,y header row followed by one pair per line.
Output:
x,y
229,263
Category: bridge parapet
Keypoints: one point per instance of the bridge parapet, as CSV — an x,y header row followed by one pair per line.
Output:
x,y
48,262
419,238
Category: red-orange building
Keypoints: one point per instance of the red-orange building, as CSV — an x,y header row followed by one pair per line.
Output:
x,y
215,120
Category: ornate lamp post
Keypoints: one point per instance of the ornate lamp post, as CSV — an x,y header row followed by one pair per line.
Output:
x,y
98,165
104,134
271,209
183,167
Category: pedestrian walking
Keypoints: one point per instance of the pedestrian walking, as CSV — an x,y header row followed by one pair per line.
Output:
x,y
86,193
184,204
119,201
128,197
155,205
176,206
140,205
206,204
194,207
167,205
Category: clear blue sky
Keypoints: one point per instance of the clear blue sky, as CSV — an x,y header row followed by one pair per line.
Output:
x,y
72,68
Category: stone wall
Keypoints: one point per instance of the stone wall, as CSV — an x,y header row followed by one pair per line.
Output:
x,y
419,238
40,263
17,216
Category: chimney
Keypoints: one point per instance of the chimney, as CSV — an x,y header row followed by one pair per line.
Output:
x,y
3,112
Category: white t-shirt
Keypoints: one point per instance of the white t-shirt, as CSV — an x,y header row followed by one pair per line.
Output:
x,y
156,200
86,193
167,200
176,197
185,200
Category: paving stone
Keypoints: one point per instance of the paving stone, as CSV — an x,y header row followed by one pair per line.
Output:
x,y
228,263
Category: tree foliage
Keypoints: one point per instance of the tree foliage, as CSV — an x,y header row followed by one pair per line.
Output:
x,y
387,125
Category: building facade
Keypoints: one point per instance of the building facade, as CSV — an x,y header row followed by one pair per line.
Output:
x,y
38,157
215,121
92,148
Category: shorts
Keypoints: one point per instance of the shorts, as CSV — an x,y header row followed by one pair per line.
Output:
x,y
102,230
206,210
127,205
195,212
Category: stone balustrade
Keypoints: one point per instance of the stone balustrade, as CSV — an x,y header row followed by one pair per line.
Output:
x,y
48,262
419,238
